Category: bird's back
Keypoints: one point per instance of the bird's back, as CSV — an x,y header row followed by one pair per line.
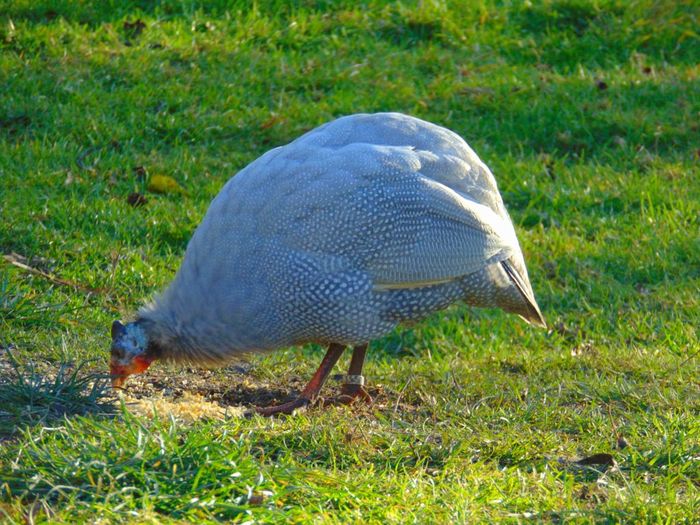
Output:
x,y
445,157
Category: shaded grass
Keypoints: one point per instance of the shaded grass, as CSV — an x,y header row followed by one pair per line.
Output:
x,y
30,396
586,112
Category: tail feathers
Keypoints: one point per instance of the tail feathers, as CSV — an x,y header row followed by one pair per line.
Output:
x,y
532,312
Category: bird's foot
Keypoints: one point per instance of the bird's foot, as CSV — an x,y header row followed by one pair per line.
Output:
x,y
348,395
285,408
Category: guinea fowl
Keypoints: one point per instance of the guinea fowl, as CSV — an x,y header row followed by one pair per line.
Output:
x,y
360,224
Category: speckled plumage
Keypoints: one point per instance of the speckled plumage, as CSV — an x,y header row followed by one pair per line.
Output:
x,y
356,226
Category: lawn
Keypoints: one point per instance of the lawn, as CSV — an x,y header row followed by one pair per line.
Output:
x,y
587,112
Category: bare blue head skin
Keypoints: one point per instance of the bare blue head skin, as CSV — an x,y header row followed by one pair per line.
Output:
x,y
130,351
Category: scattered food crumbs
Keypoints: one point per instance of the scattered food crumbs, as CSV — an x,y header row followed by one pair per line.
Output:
x,y
188,408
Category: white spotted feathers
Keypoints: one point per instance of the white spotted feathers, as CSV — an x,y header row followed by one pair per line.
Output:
x,y
356,226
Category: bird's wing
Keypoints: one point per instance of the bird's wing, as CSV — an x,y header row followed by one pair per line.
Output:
x,y
373,206
444,155
436,235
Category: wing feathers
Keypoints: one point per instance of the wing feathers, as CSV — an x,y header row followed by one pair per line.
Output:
x,y
533,315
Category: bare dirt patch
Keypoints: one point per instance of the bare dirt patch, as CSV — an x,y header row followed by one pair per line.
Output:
x,y
233,386
229,387
235,390
192,393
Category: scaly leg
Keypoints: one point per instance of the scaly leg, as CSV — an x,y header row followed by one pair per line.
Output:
x,y
353,388
312,389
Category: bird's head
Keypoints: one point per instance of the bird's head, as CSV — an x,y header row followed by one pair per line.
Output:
x,y
130,352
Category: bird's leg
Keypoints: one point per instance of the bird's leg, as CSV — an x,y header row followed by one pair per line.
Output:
x,y
312,388
353,388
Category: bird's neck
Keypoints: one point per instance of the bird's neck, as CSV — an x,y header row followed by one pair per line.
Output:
x,y
169,340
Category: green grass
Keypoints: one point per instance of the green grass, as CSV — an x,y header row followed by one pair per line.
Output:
x,y
588,113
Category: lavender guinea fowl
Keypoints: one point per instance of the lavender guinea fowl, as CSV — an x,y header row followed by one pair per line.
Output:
x,y
336,238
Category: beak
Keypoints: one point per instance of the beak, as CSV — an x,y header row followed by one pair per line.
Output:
x,y
120,372
119,375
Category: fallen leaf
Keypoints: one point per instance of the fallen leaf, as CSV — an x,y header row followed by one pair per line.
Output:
x,y
136,199
135,28
163,184
597,459
258,498
140,172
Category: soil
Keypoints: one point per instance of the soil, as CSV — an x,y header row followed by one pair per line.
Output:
x,y
233,388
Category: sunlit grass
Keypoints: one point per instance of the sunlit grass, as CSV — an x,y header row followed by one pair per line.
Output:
x,y
587,112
